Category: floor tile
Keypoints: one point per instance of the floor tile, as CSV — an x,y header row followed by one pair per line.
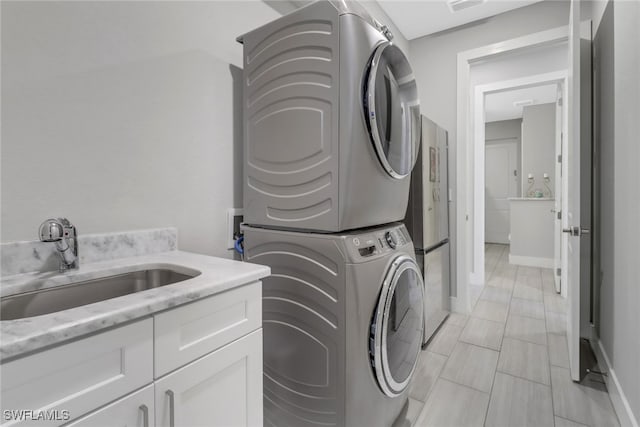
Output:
x,y
529,271
492,294
445,339
524,291
453,405
587,403
524,360
558,350
526,329
556,323
527,308
548,282
409,414
518,402
457,319
474,294
501,282
427,371
555,303
472,366
563,422
490,310
484,333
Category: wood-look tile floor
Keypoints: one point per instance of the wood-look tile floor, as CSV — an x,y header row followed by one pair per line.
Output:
x,y
506,364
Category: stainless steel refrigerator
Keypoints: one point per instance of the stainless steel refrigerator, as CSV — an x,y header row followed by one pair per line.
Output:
x,y
427,220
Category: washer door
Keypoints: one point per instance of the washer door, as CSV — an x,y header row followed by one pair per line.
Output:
x,y
397,327
392,110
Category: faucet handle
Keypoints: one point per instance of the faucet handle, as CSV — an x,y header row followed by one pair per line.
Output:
x,y
51,230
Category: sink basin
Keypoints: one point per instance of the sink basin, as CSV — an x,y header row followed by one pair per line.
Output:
x,y
51,300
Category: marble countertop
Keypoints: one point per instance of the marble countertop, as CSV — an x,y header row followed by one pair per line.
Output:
x,y
22,336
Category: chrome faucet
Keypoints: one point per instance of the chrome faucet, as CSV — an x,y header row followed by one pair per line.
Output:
x,y
60,231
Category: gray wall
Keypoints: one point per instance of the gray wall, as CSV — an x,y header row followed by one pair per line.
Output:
x,y
496,132
123,115
434,60
617,94
538,144
503,129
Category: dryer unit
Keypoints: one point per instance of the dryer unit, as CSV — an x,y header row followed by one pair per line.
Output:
x,y
332,121
342,324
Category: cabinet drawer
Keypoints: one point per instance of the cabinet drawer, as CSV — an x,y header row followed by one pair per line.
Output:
x,y
185,333
223,388
79,376
134,410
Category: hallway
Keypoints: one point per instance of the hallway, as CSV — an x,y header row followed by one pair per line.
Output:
x,y
507,363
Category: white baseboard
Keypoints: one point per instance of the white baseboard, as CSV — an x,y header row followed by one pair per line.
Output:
x,y
474,279
531,261
618,398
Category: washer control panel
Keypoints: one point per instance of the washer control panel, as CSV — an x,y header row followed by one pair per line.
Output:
x,y
378,242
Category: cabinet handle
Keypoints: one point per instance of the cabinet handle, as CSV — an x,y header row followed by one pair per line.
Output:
x,y
145,415
172,419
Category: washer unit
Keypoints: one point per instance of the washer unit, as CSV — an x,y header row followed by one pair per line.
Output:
x,y
342,324
332,121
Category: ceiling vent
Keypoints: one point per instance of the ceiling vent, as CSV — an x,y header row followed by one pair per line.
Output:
x,y
457,5
523,103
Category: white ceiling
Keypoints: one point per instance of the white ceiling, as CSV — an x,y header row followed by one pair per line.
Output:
x,y
418,18
499,106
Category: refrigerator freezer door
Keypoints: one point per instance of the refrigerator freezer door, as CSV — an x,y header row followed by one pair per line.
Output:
x,y
429,163
441,190
436,283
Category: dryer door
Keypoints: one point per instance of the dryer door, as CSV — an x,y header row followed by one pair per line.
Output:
x,y
396,332
392,110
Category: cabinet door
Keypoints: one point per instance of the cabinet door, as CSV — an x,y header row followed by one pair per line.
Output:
x,y
188,332
79,376
134,410
223,388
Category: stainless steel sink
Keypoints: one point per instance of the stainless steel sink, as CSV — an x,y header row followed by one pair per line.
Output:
x,y
51,300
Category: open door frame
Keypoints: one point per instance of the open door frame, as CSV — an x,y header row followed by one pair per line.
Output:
x,y
469,252
577,192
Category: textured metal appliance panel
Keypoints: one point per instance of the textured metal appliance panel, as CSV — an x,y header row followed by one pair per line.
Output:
x,y
303,321
291,120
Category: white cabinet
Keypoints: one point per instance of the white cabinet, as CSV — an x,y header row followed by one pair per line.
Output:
x,y
134,410
208,370
223,388
185,333
80,376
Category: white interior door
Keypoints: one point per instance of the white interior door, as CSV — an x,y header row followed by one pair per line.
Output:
x,y
561,119
577,190
501,183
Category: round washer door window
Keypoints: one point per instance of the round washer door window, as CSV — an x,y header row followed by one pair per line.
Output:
x,y
398,325
392,110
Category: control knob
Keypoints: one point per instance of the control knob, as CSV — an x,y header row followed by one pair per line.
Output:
x,y
391,240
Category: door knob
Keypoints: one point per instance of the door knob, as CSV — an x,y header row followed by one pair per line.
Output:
x,y
576,231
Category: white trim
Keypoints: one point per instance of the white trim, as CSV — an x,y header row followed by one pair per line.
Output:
x,y
466,155
618,398
531,261
456,306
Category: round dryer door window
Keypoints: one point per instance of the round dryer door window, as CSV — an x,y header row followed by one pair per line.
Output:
x,y
392,110
398,324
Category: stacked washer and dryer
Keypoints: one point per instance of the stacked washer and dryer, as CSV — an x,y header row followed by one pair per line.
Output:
x,y
332,130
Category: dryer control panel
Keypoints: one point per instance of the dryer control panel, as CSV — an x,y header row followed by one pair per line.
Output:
x,y
378,242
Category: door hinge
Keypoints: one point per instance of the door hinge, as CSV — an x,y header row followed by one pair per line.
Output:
x,y
559,214
559,158
558,271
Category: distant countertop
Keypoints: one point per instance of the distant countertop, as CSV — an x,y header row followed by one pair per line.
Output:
x,y
530,199
22,336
